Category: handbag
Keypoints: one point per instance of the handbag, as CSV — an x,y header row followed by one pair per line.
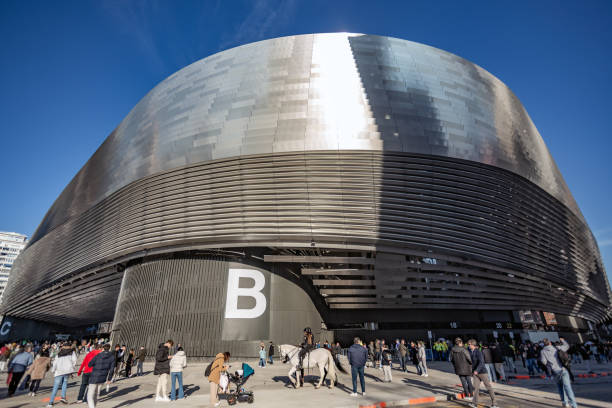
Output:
x,y
9,377
223,382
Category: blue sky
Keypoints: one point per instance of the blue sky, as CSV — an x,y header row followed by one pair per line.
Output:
x,y
71,70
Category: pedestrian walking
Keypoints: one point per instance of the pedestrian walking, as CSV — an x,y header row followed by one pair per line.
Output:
x,y
142,354
85,370
462,363
17,366
550,358
479,374
102,367
357,357
177,364
386,358
422,358
63,366
218,366
271,353
38,370
162,369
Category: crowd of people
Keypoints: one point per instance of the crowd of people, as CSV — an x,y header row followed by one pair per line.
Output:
x,y
479,363
27,364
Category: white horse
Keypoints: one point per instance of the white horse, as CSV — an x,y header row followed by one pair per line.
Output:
x,y
321,358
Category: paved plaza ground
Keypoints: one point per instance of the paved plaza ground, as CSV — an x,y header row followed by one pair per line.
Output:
x,y
271,391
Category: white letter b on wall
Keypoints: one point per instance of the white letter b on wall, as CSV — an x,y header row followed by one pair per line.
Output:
x,y
234,292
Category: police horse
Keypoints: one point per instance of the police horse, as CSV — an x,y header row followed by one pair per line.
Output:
x,y
321,358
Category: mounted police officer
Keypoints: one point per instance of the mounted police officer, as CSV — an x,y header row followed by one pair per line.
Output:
x,y
307,345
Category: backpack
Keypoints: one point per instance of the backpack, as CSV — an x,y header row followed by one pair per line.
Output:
x,y
208,369
564,358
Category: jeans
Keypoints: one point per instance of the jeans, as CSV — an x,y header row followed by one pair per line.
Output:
x,y
176,377
422,367
531,366
59,380
402,360
270,360
491,371
262,362
565,388
139,370
510,363
466,382
84,383
354,372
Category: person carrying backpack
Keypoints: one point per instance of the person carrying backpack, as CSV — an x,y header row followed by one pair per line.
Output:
x,y
550,358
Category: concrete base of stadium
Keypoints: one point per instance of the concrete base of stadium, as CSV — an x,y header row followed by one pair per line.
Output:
x,y
270,387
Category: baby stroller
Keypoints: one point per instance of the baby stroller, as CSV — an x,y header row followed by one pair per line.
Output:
x,y
239,378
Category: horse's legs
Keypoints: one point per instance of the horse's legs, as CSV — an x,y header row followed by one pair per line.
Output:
x,y
291,375
321,369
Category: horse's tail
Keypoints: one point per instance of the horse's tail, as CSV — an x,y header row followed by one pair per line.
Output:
x,y
333,377
338,365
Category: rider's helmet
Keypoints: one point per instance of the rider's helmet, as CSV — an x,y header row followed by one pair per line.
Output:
x,y
307,330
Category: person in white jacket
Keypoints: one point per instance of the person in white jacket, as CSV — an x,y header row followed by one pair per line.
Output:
x,y
63,366
178,362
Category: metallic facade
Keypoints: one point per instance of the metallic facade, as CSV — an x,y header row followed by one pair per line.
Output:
x,y
413,177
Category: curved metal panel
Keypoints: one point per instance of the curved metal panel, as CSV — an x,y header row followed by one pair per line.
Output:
x,y
316,92
510,240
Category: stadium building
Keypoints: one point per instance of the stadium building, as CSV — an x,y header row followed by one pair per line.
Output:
x,y
352,183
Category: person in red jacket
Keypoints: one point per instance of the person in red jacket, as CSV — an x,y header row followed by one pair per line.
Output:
x,y
85,369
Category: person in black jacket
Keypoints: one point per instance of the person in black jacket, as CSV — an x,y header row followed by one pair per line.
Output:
x,y
479,374
271,353
462,362
102,366
162,368
488,360
498,361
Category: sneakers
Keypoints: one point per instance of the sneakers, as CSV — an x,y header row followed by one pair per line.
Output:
x,y
467,398
64,401
363,394
353,394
